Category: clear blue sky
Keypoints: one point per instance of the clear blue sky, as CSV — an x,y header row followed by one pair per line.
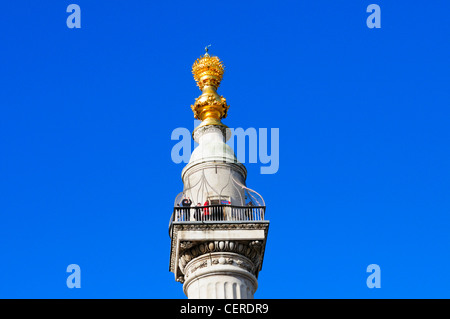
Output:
x,y
86,116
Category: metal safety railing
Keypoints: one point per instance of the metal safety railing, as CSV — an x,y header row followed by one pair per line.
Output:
x,y
218,213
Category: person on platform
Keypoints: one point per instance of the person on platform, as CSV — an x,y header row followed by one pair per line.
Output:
x,y
249,211
206,211
186,202
198,212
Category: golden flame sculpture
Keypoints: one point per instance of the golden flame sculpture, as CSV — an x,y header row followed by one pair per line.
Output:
x,y
209,107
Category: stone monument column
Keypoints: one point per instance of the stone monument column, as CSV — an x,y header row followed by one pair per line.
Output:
x,y
218,228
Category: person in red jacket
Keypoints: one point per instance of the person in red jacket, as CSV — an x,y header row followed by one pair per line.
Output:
x,y
206,211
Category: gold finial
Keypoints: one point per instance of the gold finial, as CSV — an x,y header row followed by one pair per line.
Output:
x,y
209,107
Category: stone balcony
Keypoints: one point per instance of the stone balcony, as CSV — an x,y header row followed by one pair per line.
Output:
x,y
220,232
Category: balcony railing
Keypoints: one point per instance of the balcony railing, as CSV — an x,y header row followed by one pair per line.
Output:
x,y
218,213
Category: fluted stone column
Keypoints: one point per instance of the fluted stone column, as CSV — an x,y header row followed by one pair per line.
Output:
x,y
220,276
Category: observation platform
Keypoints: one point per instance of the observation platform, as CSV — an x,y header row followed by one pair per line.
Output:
x,y
199,230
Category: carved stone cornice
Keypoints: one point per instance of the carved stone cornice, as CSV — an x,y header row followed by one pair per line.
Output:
x,y
249,249
199,131
183,251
